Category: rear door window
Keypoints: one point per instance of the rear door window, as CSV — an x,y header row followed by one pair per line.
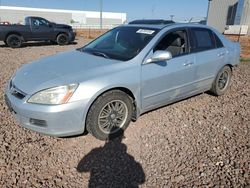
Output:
x,y
203,39
218,42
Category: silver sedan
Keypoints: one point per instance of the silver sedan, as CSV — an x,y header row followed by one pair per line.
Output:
x,y
127,71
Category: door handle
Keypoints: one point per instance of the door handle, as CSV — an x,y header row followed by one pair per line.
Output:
x,y
188,63
221,54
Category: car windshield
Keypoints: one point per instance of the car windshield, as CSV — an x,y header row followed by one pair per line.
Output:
x,y
121,43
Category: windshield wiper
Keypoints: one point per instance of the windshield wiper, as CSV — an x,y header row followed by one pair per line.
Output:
x,y
96,53
101,54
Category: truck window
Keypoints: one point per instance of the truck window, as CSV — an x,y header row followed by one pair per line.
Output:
x,y
39,22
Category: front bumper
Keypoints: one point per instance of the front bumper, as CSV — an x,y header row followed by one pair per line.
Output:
x,y
72,36
55,120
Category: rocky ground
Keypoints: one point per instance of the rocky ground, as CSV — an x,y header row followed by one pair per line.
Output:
x,y
203,141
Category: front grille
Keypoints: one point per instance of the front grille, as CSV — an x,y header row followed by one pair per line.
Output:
x,y
16,92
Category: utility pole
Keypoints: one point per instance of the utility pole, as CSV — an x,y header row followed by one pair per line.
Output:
x,y
209,1
101,7
0,10
152,11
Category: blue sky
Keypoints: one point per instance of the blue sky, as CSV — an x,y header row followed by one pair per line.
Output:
x,y
182,9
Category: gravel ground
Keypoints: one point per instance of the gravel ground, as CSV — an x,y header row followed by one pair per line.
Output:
x,y
201,141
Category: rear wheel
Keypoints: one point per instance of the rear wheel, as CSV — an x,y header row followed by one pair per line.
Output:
x,y
109,115
62,39
222,81
14,41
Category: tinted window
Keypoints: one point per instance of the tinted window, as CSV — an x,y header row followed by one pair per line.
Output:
x,y
122,43
203,40
218,41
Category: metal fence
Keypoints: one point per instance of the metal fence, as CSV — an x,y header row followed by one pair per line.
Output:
x,y
85,26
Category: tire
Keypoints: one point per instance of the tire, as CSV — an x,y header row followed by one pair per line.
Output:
x,y
62,39
14,41
109,115
222,81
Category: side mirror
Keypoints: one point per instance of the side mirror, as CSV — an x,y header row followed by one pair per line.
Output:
x,y
159,55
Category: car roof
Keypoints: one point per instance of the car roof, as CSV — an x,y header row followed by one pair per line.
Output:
x,y
154,22
172,25
149,26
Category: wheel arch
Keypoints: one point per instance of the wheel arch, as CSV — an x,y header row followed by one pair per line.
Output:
x,y
127,91
13,33
220,67
61,32
230,65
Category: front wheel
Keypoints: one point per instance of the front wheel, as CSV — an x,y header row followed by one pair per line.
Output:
x,y
62,39
222,81
109,115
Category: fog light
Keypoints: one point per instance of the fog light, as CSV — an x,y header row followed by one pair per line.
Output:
x,y
38,122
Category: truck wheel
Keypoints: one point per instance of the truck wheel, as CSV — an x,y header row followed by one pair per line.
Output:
x,y
14,41
109,115
62,39
222,81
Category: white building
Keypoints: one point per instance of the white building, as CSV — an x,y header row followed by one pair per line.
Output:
x,y
73,17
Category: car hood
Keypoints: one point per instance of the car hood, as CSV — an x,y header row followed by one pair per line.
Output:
x,y
62,26
61,69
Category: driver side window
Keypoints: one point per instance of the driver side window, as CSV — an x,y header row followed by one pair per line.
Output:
x,y
174,42
40,22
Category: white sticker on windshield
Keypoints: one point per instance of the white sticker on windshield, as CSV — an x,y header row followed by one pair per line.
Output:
x,y
145,31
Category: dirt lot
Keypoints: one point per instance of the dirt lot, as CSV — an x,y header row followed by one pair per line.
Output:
x,y
201,141
90,33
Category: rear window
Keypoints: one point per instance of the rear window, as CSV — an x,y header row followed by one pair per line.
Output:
x,y
218,42
203,39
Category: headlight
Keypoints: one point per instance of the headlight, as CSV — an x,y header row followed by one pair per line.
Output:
x,y
56,95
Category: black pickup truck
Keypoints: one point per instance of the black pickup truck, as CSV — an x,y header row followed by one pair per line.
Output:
x,y
36,29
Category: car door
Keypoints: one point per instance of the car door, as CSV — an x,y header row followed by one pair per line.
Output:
x,y
210,56
168,81
41,29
